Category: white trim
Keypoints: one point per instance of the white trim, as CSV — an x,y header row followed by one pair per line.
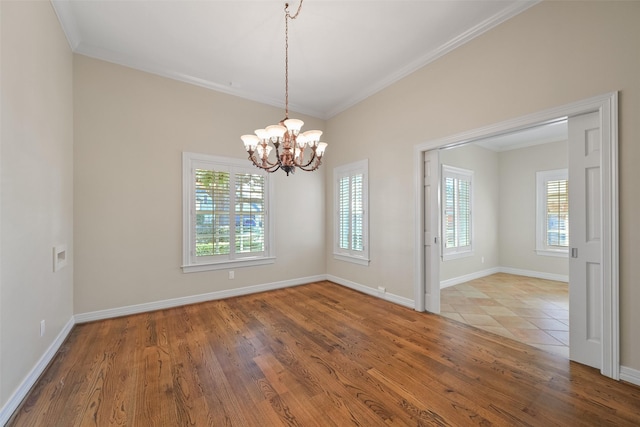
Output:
x,y
536,274
65,16
630,375
152,67
556,253
234,263
67,21
467,277
32,377
351,259
504,15
607,106
396,299
517,271
192,299
191,263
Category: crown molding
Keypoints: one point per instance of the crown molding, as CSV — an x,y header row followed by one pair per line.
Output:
x,y
153,68
432,56
67,22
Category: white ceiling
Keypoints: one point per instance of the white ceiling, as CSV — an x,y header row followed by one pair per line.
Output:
x,y
340,52
542,134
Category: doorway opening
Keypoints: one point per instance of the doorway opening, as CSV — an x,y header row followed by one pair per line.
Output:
x,y
605,274
514,282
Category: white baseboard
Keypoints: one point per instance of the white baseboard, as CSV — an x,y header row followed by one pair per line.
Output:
x,y
630,375
193,299
23,389
536,274
519,272
461,279
396,299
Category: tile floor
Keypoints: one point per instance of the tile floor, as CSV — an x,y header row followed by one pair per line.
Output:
x,y
526,309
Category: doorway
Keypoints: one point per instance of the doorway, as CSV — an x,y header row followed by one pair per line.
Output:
x,y
427,282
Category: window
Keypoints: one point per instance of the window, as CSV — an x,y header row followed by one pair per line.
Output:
x,y
457,212
552,216
351,240
225,213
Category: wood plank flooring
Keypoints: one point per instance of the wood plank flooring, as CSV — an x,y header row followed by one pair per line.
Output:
x,y
313,355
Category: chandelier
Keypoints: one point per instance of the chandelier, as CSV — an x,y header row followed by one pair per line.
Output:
x,y
293,148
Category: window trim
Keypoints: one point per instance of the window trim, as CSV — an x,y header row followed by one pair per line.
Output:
x,y
541,178
189,264
464,251
350,255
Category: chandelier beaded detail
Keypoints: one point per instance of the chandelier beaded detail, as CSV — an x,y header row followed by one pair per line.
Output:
x,y
293,148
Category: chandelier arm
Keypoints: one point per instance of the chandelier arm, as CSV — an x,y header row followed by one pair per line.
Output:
x,y
261,162
314,157
271,167
311,169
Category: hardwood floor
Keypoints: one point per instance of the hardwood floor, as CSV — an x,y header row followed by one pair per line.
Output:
x,y
313,355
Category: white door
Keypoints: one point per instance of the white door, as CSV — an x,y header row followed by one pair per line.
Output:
x,y
431,229
585,228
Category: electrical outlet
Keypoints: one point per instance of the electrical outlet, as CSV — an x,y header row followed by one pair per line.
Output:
x,y
42,328
232,275
482,260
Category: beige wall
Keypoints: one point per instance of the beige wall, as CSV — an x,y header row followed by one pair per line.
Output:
x,y
131,128
36,186
485,226
504,208
518,206
553,54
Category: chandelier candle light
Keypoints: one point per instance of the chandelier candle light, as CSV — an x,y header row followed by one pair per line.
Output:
x,y
293,149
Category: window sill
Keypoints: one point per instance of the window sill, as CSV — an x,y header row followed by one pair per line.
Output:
x,y
556,253
351,259
457,255
236,263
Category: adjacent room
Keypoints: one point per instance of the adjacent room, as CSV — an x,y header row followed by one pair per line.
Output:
x,y
216,213
505,268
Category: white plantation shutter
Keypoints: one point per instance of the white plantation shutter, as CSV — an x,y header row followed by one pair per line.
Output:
x,y
344,203
357,212
557,213
552,213
351,223
225,211
212,208
456,212
249,213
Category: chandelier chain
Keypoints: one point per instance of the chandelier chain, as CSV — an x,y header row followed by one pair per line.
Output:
x,y
293,149
286,54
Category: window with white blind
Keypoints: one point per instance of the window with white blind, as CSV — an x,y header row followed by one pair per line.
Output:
x,y
457,202
225,213
552,213
351,223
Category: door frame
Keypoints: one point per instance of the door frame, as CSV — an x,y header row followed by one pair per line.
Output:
x,y
607,107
